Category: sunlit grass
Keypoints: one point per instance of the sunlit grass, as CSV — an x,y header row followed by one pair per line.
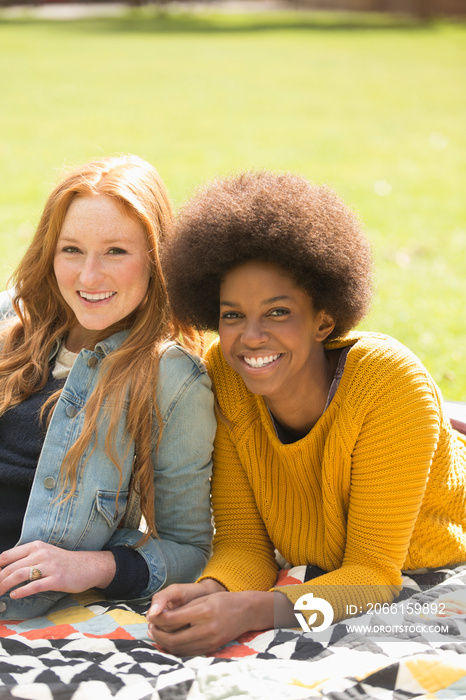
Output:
x,y
374,106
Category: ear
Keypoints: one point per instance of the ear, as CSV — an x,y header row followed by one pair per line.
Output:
x,y
326,326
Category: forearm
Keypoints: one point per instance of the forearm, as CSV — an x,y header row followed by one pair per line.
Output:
x,y
168,562
208,586
268,610
103,566
243,553
243,567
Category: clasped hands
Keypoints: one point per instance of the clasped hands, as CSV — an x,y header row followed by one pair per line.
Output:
x,y
59,569
197,618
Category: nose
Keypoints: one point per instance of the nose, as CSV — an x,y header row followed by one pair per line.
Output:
x,y
253,334
91,273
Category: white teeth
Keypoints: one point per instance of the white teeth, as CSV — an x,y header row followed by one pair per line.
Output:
x,y
96,297
260,361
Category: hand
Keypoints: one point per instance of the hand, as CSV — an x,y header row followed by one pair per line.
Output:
x,y
207,622
62,570
203,624
179,594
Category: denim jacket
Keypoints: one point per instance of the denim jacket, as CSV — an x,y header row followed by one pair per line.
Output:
x,y
89,520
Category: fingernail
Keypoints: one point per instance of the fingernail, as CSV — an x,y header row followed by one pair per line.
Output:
x,y
154,609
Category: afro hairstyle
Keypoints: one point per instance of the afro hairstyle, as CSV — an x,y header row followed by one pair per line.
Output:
x,y
281,218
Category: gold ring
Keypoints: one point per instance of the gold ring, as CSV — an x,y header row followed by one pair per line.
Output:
x,y
34,573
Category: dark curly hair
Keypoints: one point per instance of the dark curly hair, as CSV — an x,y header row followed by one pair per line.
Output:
x,y
281,218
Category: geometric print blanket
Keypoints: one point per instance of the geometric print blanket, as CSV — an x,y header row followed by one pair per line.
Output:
x,y
87,648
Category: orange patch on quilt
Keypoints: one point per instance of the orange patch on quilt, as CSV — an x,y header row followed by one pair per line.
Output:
x,y
55,632
234,651
285,580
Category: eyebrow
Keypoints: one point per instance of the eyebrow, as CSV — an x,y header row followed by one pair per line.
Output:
x,y
103,241
272,300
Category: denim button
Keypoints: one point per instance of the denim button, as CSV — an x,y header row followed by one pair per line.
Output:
x,y
71,411
49,482
92,361
2,606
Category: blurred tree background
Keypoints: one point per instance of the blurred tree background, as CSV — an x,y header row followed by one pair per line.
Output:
x,y
371,103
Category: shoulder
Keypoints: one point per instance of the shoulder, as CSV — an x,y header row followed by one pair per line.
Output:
x,y
389,353
380,366
177,361
377,350
179,372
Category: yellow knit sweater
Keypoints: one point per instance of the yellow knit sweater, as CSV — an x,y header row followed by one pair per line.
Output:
x,y
378,485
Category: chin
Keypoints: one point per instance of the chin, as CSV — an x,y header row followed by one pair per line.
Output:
x,y
255,387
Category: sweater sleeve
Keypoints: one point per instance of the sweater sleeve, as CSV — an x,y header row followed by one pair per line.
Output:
x,y
390,466
243,552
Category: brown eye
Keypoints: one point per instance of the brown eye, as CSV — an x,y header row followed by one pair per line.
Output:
x,y
280,312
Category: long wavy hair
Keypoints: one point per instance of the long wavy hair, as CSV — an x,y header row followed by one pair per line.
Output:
x,y
129,374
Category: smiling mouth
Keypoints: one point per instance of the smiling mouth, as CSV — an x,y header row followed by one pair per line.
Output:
x,y
100,296
258,362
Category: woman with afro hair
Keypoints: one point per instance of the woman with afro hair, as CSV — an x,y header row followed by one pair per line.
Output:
x,y
333,448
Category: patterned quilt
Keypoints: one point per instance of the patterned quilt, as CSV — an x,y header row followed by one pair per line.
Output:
x,y
89,649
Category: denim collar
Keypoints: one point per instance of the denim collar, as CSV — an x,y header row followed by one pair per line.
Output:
x,y
105,346
112,342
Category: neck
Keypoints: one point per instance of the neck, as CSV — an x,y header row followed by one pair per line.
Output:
x,y
76,340
79,338
301,411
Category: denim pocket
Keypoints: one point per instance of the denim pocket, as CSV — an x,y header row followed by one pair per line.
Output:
x,y
111,505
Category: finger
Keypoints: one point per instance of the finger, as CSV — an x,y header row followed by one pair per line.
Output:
x,y
187,642
10,556
156,608
161,607
16,558
171,597
175,596
174,640
24,575
8,567
29,589
170,620
169,625
13,577
158,605
195,612
169,628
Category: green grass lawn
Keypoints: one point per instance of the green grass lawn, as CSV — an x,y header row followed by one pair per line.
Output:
x,y
373,106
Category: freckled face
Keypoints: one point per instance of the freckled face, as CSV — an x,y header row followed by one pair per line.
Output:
x,y
101,264
269,331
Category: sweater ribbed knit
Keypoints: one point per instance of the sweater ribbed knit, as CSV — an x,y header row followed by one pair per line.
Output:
x,y
378,485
